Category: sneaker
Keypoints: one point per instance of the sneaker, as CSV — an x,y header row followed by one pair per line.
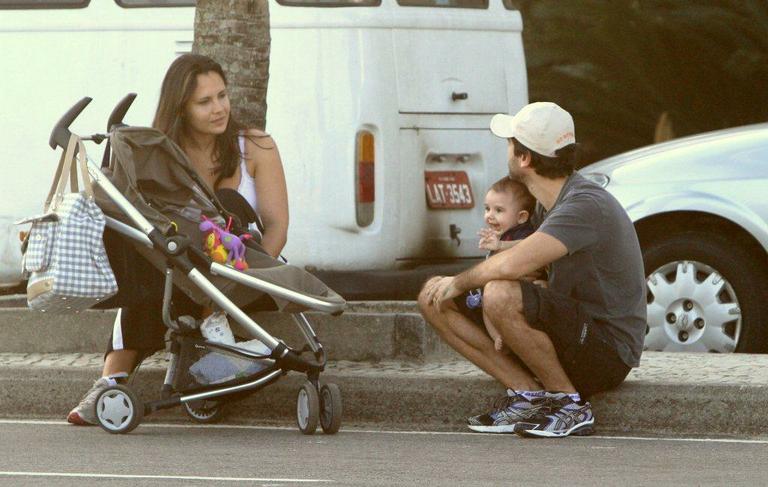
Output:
x,y
506,413
84,414
557,416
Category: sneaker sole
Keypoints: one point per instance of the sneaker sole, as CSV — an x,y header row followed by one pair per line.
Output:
x,y
509,428
77,420
582,429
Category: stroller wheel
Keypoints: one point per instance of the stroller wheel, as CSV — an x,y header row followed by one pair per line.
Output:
x,y
330,408
118,409
307,408
204,411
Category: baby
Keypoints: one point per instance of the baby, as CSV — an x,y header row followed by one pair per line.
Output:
x,y
508,208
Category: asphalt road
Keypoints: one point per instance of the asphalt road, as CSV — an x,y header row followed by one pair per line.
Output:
x,y
53,453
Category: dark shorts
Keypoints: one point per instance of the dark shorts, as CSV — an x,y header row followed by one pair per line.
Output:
x,y
583,348
139,322
474,314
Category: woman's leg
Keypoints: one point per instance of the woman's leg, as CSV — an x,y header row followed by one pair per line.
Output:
x,y
120,362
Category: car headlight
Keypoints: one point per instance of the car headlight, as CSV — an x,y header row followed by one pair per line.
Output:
x,y
598,178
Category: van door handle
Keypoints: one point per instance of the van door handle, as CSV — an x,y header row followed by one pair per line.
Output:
x,y
459,96
433,157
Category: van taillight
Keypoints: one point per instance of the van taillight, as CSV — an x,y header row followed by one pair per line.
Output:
x,y
365,181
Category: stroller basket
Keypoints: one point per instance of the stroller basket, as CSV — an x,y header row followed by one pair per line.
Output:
x,y
151,195
203,364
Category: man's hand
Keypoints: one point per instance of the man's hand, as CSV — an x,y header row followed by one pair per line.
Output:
x,y
440,289
489,240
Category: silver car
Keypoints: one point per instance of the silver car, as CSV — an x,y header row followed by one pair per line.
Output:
x,y
700,207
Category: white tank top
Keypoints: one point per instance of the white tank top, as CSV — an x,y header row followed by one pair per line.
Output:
x,y
247,186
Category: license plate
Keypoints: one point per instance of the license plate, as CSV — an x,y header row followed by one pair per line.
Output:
x,y
448,190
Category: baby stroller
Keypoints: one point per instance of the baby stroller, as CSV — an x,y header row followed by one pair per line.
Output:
x,y
153,197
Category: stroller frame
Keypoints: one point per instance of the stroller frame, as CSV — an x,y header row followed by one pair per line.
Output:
x,y
181,255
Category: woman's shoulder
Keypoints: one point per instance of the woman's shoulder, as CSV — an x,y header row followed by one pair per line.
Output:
x,y
260,150
257,140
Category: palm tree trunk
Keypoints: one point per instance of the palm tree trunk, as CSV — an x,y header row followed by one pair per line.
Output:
x,y
236,34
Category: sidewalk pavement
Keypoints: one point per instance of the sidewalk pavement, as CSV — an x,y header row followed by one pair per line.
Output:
x,y
677,394
394,372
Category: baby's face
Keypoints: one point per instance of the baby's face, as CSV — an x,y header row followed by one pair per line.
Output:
x,y
502,212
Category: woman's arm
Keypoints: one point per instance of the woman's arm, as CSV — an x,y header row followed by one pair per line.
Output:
x,y
264,165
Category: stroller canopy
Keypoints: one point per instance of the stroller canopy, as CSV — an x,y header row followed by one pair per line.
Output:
x,y
156,177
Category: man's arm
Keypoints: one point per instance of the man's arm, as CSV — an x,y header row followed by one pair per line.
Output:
x,y
530,254
508,244
534,252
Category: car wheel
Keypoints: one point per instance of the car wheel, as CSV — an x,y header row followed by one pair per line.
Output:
x,y
705,294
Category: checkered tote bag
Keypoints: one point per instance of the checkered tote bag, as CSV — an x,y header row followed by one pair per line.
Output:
x,y
65,260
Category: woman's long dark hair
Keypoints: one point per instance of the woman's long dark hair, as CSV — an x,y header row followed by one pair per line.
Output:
x,y
178,85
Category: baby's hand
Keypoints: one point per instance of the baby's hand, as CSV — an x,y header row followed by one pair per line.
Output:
x,y
498,344
489,240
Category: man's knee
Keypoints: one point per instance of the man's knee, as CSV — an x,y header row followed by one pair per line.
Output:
x,y
503,300
423,301
425,305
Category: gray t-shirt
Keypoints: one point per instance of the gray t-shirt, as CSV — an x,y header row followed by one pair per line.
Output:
x,y
604,267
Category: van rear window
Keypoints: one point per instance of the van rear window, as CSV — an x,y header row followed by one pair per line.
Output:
x,y
444,3
330,3
22,4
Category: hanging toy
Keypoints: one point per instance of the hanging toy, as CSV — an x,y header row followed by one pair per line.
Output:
x,y
214,248
222,246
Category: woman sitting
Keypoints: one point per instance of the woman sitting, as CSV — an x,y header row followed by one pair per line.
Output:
x,y
242,165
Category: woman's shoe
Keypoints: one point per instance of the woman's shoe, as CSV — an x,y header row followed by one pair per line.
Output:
x,y
84,414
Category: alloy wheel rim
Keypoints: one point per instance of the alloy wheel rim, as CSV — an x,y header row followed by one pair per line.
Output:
x,y
691,308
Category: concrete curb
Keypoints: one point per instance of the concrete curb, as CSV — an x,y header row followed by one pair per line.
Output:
x,y
366,332
681,394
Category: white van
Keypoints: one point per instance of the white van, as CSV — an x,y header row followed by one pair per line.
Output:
x,y
380,109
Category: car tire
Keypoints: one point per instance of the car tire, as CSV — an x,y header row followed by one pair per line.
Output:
x,y
744,277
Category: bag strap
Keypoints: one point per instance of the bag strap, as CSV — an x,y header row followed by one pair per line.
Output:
x,y
66,172
70,157
61,173
83,158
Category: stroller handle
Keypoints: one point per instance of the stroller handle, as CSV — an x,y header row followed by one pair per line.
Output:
x,y
116,117
60,134
115,121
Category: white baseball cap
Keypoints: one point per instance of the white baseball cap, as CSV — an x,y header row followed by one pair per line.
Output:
x,y
543,127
